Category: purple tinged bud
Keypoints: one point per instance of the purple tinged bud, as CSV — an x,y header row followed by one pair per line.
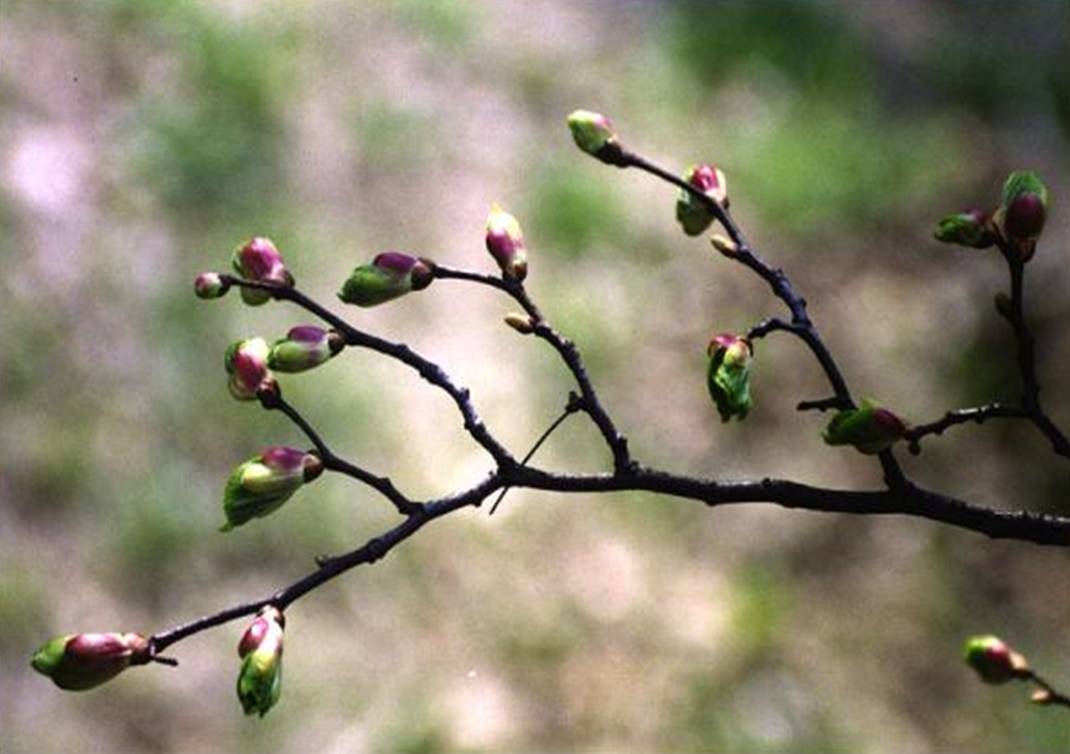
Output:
x,y
505,242
1022,214
246,362
994,661
695,217
390,275
304,347
81,661
869,428
971,227
210,285
594,134
257,259
260,677
260,485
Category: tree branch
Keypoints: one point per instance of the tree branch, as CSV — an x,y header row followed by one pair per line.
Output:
x,y
977,414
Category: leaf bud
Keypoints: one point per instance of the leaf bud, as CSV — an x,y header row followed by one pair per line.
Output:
x,y
520,322
257,259
971,227
81,661
260,647
869,428
694,217
1023,212
505,243
246,362
304,347
594,134
725,246
260,485
993,660
210,285
388,276
728,375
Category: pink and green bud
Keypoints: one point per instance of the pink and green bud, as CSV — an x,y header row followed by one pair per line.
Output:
x,y
694,217
262,484
388,276
971,228
505,243
260,677
594,134
210,285
246,363
304,347
1023,212
993,660
869,428
728,375
257,259
81,661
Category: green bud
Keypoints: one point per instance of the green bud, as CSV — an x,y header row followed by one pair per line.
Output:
x,y
993,660
388,276
505,243
692,215
262,484
260,677
593,133
728,375
1023,212
304,347
869,428
77,662
969,228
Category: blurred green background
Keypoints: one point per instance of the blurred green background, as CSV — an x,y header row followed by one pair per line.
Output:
x,y
141,140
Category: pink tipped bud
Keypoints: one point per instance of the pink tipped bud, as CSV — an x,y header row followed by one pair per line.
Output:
x,y
390,275
260,678
82,661
694,216
304,347
258,259
210,285
594,134
505,243
246,363
993,660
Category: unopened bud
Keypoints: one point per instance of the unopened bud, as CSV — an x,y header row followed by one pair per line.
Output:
x,y
594,134
520,322
262,484
505,243
1042,697
725,246
388,276
304,347
81,661
260,677
728,375
869,428
210,285
258,259
1024,210
971,228
694,216
993,660
246,362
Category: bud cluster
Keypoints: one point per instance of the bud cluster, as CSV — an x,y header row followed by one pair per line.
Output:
x,y
257,259
1017,221
694,216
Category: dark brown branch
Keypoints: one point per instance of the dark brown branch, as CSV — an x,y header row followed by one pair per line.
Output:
x,y
977,414
273,400
1050,695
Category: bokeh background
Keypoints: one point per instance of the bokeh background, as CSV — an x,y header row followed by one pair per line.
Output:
x,y
140,141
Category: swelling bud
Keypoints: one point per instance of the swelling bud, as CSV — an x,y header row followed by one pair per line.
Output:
x,y
304,347
210,285
695,217
971,228
993,660
257,259
260,677
594,134
869,428
246,364
388,276
260,485
728,375
77,662
505,243
1023,212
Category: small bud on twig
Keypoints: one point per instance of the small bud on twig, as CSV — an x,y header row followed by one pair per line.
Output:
x,y
693,216
1023,212
81,661
246,361
594,134
390,275
970,227
210,285
725,246
505,243
258,259
728,375
260,485
304,347
869,428
520,322
260,647
993,660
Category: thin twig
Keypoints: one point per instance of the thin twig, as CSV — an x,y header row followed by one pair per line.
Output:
x,y
976,414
